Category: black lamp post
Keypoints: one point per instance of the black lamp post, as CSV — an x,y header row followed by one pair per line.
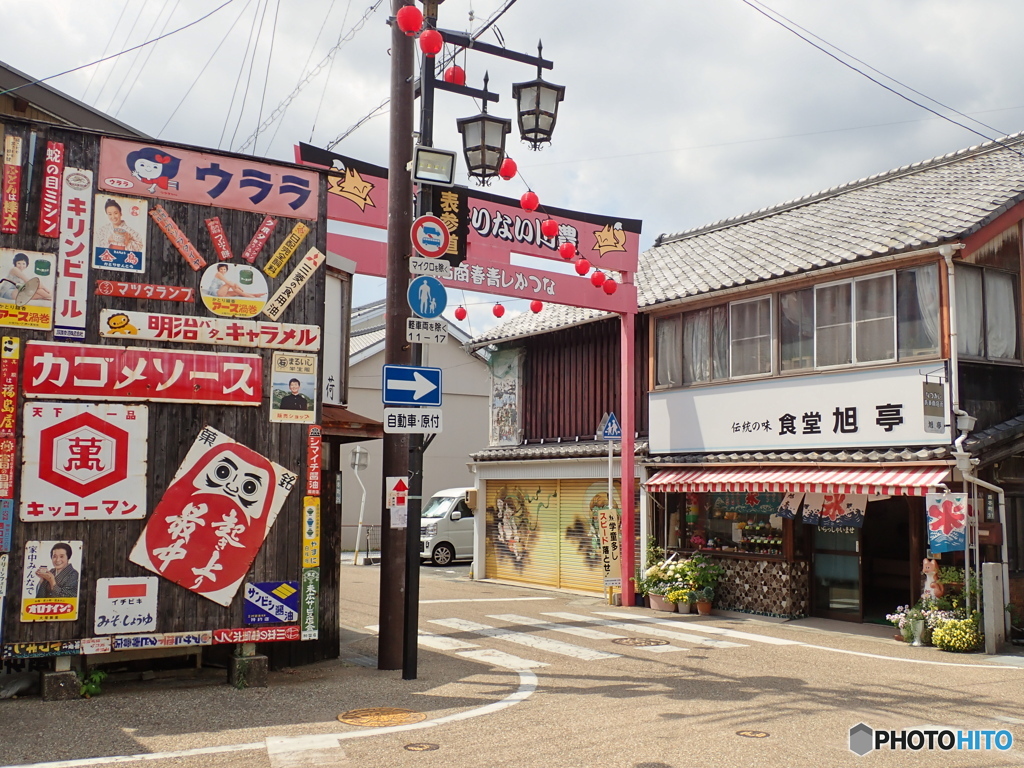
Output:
x,y
537,105
483,142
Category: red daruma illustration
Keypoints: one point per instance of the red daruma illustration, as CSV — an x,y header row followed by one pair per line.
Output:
x,y
214,517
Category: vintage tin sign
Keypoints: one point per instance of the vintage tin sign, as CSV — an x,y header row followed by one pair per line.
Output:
x,y
310,604
84,461
119,233
144,291
233,290
256,634
27,289
259,239
314,456
188,329
219,239
288,290
10,192
125,605
51,581
214,517
88,372
73,255
162,640
49,198
272,602
177,238
286,250
293,388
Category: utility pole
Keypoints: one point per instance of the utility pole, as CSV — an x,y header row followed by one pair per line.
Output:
x,y
396,350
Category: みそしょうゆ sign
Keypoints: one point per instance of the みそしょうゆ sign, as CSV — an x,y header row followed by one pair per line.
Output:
x,y
214,517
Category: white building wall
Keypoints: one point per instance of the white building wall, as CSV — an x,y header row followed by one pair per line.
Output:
x,y
465,403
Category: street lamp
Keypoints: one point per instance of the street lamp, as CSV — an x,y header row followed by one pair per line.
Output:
x,y
359,460
537,105
483,142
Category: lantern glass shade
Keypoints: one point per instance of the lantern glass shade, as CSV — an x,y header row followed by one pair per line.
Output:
x,y
537,105
483,143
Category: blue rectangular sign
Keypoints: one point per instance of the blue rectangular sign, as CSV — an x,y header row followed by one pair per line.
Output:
x,y
411,385
272,602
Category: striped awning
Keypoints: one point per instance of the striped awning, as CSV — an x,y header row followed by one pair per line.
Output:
x,y
891,480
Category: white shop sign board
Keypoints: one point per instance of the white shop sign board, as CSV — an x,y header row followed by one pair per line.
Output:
x,y
84,461
872,408
125,605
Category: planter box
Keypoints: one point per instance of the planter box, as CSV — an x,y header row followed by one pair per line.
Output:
x,y
659,603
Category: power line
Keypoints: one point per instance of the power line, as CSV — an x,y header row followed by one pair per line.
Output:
x,y
106,47
145,61
115,55
879,83
238,77
248,77
266,75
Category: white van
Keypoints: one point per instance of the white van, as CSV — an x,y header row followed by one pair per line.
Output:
x,y
446,526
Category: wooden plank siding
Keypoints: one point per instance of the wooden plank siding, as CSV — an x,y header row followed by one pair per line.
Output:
x,y
173,427
571,379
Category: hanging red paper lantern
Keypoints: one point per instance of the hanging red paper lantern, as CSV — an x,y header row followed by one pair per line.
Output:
x,y
498,310
460,313
536,306
455,75
549,228
582,266
529,201
597,278
409,19
431,42
509,169
610,286
567,251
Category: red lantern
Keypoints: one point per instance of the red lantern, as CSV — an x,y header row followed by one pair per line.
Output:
x,y
549,228
536,306
455,75
610,286
460,313
498,310
597,278
409,19
431,42
567,251
509,169
529,201
582,266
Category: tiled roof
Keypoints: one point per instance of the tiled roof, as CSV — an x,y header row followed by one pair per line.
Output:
x,y
860,455
359,341
553,449
983,440
552,317
924,204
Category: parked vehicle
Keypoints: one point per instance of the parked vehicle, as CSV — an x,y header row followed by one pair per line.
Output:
x,y
446,526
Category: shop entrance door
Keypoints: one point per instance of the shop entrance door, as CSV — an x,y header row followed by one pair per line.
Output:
x,y
836,581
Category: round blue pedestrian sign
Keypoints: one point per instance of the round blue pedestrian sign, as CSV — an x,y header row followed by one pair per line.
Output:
x,y
427,297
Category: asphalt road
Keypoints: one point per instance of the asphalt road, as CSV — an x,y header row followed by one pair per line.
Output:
x,y
513,676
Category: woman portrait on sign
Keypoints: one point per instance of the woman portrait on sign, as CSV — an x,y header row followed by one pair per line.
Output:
x,y
17,277
228,288
116,233
62,579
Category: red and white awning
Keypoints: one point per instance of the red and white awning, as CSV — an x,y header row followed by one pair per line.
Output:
x,y
890,480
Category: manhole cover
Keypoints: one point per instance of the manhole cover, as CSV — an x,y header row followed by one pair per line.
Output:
x,y
378,717
639,642
422,747
752,734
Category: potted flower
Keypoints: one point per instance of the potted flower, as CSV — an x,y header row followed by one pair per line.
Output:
x,y
660,579
683,598
952,578
705,596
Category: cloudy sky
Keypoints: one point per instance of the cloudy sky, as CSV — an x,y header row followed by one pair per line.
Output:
x,y
677,112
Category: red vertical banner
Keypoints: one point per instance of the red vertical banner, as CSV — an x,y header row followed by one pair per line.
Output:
x,y
314,457
252,250
11,186
53,175
10,352
219,239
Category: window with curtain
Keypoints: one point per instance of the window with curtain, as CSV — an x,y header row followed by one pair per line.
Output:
x,y
668,351
917,311
750,333
796,330
697,346
986,313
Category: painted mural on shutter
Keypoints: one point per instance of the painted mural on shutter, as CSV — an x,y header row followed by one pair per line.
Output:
x,y
523,532
582,561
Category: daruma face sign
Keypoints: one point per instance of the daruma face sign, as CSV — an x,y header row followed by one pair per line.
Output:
x,y
214,517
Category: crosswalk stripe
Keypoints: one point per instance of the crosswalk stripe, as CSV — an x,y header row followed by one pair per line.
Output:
x,y
643,630
501,659
592,634
526,621
540,643
696,627
442,642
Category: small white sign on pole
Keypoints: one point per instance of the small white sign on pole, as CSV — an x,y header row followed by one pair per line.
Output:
x,y
433,267
419,331
410,421
398,501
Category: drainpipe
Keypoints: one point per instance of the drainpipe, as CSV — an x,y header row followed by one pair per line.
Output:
x,y
965,423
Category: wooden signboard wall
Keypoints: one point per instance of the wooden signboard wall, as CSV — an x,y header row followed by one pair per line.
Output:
x,y
174,426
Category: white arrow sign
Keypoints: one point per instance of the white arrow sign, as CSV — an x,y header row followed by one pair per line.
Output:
x,y
419,386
